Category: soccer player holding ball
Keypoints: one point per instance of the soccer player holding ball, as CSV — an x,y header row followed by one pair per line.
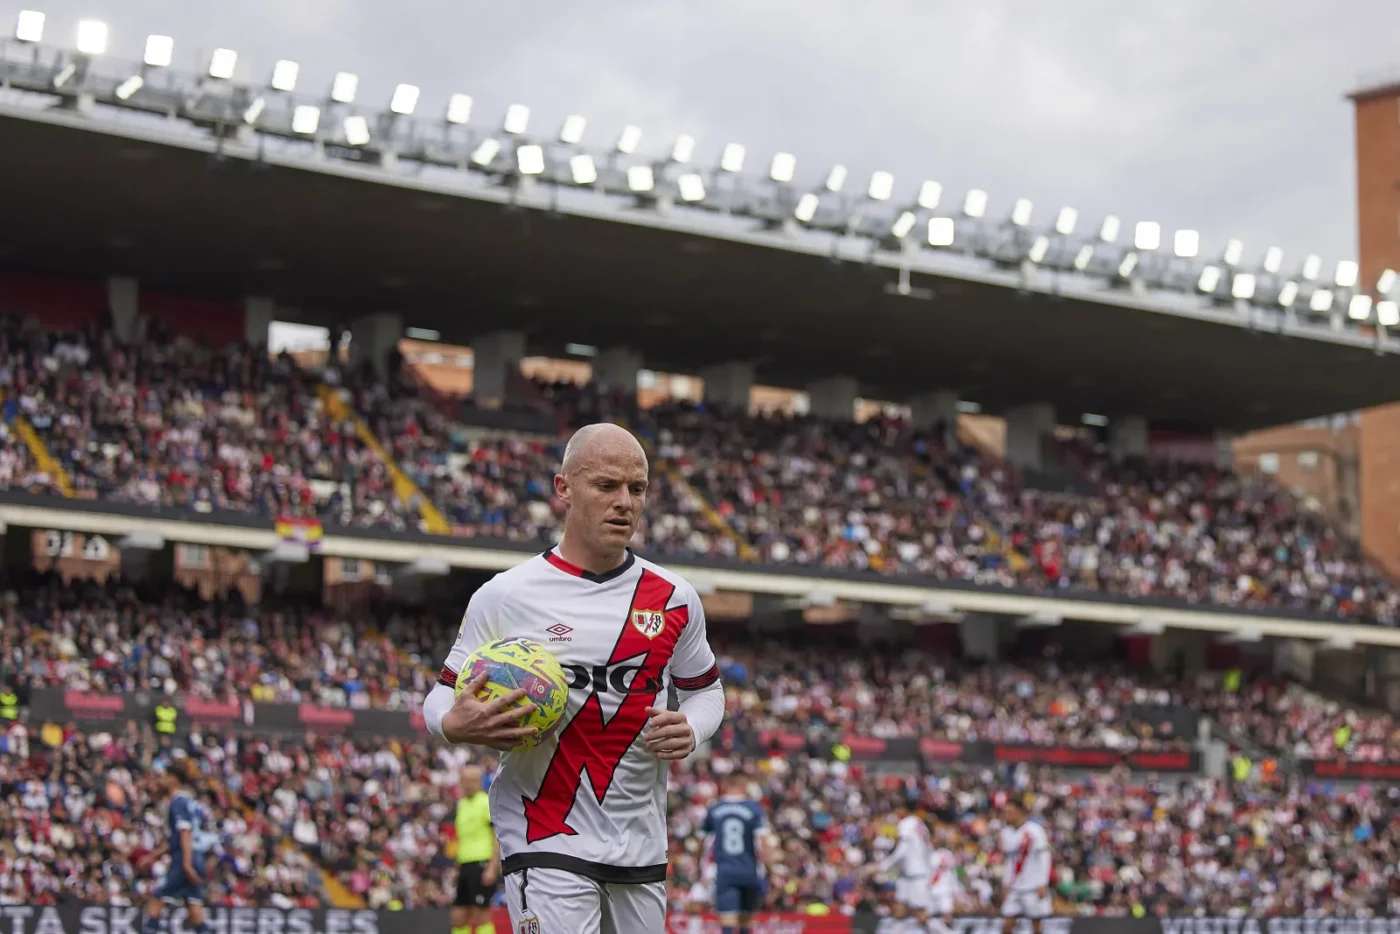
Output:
x,y
579,804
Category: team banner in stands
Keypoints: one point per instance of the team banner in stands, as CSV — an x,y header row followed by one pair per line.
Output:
x,y
301,530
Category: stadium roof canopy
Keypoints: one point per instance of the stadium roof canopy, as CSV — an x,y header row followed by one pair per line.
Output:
x,y
331,239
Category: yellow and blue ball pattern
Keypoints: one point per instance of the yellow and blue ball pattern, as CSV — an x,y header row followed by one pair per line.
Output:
x,y
521,663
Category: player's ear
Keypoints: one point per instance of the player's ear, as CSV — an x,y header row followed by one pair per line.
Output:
x,y
561,487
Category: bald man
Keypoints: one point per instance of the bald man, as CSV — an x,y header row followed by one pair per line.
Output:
x,y
581,813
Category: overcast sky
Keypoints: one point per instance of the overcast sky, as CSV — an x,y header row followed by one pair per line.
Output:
x,y
1227,117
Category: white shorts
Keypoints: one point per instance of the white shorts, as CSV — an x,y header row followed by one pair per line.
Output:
x,y
914,893
1026,903
942,905
553,901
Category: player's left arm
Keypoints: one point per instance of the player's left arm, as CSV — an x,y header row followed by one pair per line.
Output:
x,y
674,734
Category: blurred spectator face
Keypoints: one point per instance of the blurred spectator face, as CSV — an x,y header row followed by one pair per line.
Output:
x,y
471,780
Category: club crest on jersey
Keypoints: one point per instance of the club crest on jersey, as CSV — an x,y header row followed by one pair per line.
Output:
x,y
649,622
529,924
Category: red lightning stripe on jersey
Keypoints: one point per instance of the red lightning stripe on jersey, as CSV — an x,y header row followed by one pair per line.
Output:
x,y
589,743
1025,851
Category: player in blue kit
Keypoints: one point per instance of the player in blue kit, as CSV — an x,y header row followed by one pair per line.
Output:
x,y
189,825
734,824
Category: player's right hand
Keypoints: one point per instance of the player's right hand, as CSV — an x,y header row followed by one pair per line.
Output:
x,y
494,723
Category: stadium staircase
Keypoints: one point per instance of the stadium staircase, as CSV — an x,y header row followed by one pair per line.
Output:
x,y
40,452
710,513
336,892
405,489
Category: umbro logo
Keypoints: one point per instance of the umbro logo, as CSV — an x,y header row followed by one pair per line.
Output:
x,y
560,633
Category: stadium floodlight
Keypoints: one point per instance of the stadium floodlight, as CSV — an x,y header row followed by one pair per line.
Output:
x,y
517,119
930,193
344,86
459,109
530,159
1129,263
732,158
284,75
1288,294
881,186
129,87
1312,267
486,152
941,231
1321,300
629,139
1186,243
404,100
1234,252
1021,212
1084,257
30,26
1147,235
1273,260
223,63
582,169
356,130
1108,230
683,149
1067,220
640,178
1039,249
1346,273
783,167
1209,280
92,36
691,187
1386,283
975,203
836,179
1243,286
1387,313
254,110
1359,309
806,208
571,131
160,51
305,119
903,224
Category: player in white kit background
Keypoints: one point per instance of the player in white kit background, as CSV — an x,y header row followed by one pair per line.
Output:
x,y
1026,865
945,888
581,817
911,861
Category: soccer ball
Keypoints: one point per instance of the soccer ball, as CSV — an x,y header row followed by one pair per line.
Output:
x,y
521,663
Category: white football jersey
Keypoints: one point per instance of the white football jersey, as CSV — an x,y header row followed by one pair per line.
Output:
x,y
944,880
1027,851
912,854
590,798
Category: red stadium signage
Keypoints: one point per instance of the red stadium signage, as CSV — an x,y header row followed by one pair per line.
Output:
x,y
325,718
942,750
92,706
1359,771
207,711
763,923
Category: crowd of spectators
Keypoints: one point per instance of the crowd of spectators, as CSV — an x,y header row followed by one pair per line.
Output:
x,y
1119,844
84,819
118,637
1283,717
114,637
165,422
